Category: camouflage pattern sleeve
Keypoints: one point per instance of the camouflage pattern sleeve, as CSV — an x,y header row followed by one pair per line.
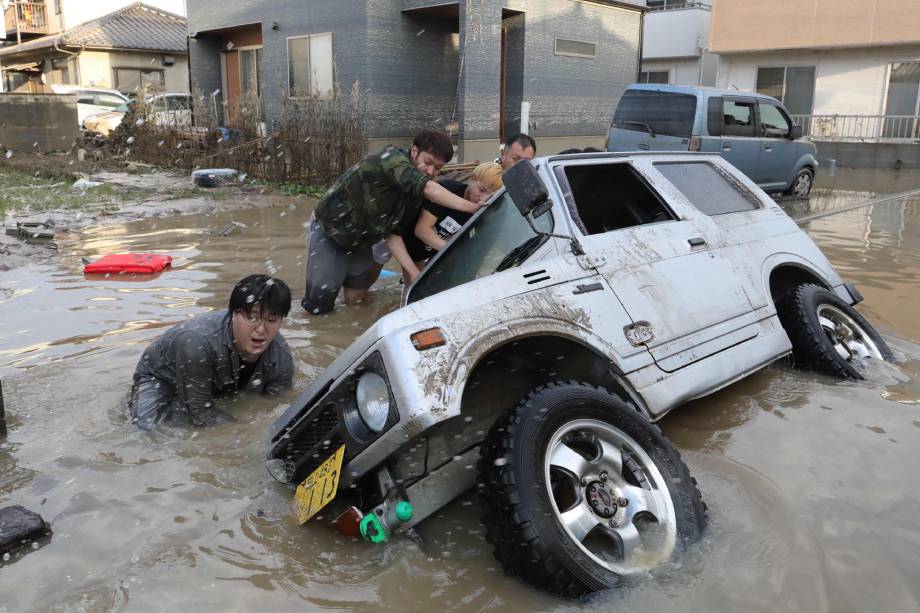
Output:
x,y
398,166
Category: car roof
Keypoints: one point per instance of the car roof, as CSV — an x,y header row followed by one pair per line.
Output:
x,y
604,155
698,90
86,88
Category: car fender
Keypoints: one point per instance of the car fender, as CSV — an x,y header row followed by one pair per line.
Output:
x,y
806,159
817,265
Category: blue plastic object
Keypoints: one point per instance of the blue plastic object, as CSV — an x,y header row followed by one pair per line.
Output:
x,y
388,273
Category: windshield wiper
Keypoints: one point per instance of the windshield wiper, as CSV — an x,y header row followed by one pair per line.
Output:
x,y
521,252
641,124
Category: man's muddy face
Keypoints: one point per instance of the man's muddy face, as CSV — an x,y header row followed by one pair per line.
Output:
x,y
426,163
253,333
514,154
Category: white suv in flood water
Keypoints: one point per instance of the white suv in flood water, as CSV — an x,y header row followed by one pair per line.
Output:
x,y
533,355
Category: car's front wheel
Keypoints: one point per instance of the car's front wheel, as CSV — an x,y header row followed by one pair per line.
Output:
x,y
802,184
829,335
579,489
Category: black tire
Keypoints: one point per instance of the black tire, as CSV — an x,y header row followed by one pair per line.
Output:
x,y
802,184
520,514
814,344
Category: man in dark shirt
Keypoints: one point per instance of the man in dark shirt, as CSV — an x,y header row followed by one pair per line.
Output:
x,y
375,199
437,224
239,348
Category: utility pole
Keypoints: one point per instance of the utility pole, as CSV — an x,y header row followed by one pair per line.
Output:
x,y
2,414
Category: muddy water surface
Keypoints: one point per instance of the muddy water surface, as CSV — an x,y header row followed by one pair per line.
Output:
x,y
811,483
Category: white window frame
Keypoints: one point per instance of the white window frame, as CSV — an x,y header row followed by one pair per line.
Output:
x,y
287,51
240,67
556,51
667,70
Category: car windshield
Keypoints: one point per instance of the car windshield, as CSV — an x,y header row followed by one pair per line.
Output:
x,y
496,238
121,108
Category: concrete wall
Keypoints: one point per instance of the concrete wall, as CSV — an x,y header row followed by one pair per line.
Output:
x,y
98,68
745,25
38,122
573,96
847,81
870,155
677,33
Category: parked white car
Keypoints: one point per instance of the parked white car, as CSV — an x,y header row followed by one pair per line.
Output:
x,y
596,293
92,100
162,109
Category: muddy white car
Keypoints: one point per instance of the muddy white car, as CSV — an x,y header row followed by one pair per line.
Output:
x,y
532,357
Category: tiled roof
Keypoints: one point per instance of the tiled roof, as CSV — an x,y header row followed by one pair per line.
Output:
x,y
137,26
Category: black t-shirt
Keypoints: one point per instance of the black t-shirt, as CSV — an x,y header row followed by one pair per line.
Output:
x,y
449,221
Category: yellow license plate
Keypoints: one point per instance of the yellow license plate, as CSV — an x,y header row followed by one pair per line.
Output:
x,y
318,490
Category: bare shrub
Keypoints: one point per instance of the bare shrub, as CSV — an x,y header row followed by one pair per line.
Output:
x,y
314,140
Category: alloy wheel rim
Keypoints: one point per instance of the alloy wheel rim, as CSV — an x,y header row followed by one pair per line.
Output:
x,y
849,339
609,497
802,185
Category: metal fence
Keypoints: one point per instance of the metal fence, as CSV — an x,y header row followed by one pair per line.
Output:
x,y
861,128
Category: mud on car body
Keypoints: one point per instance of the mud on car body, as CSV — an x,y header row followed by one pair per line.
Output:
x,y
531,358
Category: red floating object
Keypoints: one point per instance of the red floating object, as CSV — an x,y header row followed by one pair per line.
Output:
x,y
121,263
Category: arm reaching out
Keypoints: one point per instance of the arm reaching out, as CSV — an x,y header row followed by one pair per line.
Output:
x,y
398,250
425,231
437,193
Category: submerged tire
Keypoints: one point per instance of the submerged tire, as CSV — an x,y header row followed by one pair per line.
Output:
x,y
579,489
827,334
802,184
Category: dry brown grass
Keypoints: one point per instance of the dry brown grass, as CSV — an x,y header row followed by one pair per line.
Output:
x,y
314,141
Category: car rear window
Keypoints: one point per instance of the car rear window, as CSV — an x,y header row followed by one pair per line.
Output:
x,y
666,113
708,188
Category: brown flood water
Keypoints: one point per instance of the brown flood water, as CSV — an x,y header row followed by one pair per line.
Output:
x,y
812,484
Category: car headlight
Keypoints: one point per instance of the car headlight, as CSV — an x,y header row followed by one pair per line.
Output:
x,y
373,400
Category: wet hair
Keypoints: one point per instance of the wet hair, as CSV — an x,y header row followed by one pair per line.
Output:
x,y
271,295
523,140
490,175
437,144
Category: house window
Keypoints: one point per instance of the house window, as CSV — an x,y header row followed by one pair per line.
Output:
x,y
655,76
575,48
129,80
310,67
251,72
57,7
794,86
903,101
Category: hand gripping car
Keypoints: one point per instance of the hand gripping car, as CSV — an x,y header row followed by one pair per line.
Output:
x,y
531,358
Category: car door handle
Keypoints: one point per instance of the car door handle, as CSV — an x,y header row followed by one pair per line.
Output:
x,y
767,148
727,147
696,242
643,146
584,289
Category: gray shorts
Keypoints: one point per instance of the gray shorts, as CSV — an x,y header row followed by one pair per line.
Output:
x,y
330,267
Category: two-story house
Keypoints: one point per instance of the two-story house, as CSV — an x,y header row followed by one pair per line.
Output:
x,y
136,46
487,68
675,43
849,69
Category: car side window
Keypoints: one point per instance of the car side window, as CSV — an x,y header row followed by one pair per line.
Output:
x,y
738,118
85,98
710,189
177,103
608,197
773,122
109,100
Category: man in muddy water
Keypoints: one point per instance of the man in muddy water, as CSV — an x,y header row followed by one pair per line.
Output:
x,y
218,353
377,198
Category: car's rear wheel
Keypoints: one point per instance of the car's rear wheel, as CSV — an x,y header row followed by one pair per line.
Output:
x,y
802,184
578,489
829,335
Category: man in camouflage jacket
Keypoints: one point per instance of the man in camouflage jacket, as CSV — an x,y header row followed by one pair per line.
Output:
x,y
378,198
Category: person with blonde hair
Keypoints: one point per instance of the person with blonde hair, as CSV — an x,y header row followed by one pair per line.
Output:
x,y
436,223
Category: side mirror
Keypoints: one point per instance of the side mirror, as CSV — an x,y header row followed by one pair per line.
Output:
x,y
796,133
526,189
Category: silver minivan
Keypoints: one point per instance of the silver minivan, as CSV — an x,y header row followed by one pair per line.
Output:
x,y
752,131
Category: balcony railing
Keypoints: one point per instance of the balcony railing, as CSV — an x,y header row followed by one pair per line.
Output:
x,y
861,128
33,18
670,5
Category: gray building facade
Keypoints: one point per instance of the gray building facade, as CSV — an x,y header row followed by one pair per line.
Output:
x,y
465,66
